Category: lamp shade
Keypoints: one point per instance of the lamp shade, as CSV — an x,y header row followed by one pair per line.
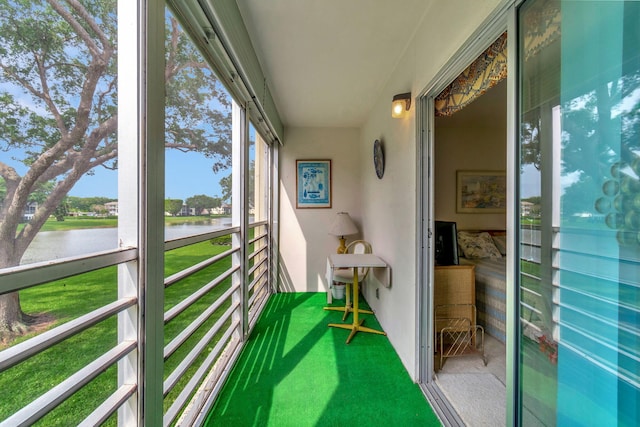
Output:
x,y
343,225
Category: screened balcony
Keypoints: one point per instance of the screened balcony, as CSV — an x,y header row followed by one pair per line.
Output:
x,y
74,372
292,368
131,308
146,329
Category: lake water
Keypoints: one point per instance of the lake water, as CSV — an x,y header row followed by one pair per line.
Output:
x,y
50,245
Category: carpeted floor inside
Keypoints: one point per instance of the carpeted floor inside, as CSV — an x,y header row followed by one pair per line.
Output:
x,y
296,371
475,390
478,398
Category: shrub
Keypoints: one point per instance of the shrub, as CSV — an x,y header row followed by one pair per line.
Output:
x,y
222,240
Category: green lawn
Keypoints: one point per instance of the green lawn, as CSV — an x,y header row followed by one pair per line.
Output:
x,y
70,298
73,222
525,220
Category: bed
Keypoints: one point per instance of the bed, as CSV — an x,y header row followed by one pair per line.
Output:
x,y
486,250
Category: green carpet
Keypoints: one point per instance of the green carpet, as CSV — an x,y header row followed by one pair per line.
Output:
x,y
296,371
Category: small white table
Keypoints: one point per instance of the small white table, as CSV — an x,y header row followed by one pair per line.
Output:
x,y
354,261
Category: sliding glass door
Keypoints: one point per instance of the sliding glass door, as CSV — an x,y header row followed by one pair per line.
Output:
x,y
578,276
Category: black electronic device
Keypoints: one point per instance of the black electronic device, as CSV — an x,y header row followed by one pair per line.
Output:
x,y
446,243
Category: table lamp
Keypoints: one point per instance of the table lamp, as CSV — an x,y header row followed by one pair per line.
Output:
x,y
342,226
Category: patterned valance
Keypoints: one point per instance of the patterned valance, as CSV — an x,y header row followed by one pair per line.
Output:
x,y
484,73
542,26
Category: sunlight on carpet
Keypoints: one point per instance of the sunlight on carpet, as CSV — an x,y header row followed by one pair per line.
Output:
x,y
296,371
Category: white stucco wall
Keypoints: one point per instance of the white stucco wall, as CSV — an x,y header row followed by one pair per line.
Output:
x,y
389,205
385,210
304,239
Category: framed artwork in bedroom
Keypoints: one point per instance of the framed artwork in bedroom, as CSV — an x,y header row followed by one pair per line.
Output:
x,y
481,191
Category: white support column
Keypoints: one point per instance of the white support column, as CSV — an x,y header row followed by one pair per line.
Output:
x,y
239,185
152,214
260,202
274,214
128,184
513,223
141,202
261,179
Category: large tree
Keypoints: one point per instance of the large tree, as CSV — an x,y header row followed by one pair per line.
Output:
x,y
83,204
201,202
226,183
173,206
59,115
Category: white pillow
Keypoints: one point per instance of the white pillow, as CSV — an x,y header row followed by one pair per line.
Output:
x,y
477,245
501,243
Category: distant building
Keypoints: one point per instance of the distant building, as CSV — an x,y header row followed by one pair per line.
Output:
x,y
525,208
112,208
224,209
29,211
187,211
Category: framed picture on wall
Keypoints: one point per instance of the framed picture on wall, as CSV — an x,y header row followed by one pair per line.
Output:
x,y
313,184
481,192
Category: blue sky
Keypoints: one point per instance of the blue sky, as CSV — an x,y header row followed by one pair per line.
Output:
x,y
530,181
187,174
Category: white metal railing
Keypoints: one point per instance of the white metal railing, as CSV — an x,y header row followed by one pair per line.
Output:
x,y
58,394
20,352
24,276
198,322
190,360
206,361
202,265
226,328
530,300
109,406
191,299
258,274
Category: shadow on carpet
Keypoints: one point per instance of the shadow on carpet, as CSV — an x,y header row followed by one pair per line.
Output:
x,y
296,371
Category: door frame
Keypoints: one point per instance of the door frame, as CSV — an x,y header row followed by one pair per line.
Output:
x,y
500,20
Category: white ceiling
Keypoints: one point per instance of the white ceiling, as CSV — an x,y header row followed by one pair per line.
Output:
x,y
326,61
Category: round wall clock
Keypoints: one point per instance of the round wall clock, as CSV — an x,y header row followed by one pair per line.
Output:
x,y
378,158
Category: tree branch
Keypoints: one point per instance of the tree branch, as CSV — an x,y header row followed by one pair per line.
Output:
x,y
79,29
171,69
101,160
11,179
54,65
189,64
32,228
79,169
94,73
82,12
38,94
46,96
8,173
110,87
68,162
45,167
96,67
175,36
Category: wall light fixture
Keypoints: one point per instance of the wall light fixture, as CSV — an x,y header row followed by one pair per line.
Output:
x,y
400,105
